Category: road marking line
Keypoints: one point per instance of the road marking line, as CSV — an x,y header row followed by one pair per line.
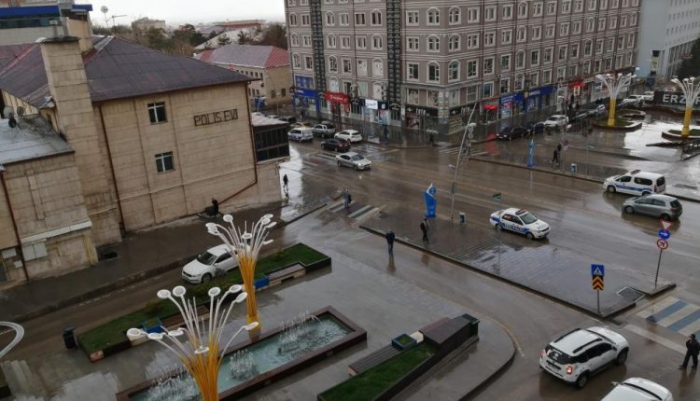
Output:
x,y
678,316
690,329
360,211
656,338
657,307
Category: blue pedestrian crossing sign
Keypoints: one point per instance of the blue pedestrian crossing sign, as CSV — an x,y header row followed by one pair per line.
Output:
x,y
598,270
664,234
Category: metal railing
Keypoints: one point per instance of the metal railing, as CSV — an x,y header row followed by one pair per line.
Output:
x,y
690,149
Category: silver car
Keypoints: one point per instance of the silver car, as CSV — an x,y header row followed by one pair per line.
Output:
x,y
656,205
354,160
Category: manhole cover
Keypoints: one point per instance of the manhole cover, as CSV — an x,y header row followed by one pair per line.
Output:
x,y
630,294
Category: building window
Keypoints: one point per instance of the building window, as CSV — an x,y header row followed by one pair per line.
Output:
x,y
413,71
548,55
295,40
453,44
344,19
547,77
296,61
433,72
347,66
376,17
292,19
574,50
473,15
433,44
412,18
507,11
156,112
472,69
377,43
164,162
433,16
472,94
455,16
360,19
576,30
305,20
520,59
562,53
506,36
345,42
537,11
490,13
536,32
361,42
564,29
330,19
453,71
522,10
522,34
473,41
309,63
505,63
534,58
489,39
488,66
273,93
332,64
412,44
488,89
306,40
331,41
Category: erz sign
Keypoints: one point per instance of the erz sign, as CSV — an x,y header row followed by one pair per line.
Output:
x,y
673,99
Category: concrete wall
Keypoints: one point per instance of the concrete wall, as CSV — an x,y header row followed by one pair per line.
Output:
x,y
24,35
49,209
210,161
69,88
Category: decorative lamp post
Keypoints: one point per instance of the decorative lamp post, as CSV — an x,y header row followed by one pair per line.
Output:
x,y
614,83
197,344
691,90
246,246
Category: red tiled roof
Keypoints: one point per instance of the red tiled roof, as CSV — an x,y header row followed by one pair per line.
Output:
x,y
116,69
246,56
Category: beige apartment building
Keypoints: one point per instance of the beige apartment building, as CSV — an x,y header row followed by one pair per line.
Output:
x,y
24,21
426,65
137,138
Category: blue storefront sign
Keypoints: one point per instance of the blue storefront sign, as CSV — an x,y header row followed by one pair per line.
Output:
x,y
535,97
430,201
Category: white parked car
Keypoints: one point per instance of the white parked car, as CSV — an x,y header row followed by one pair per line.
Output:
x,y
556,120
349,135
638,389
648,96
635,100
636,182
354,160
213,262
581,353
520,221
301,134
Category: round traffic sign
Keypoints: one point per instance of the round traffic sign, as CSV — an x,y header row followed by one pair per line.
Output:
x,y
662,244
664,234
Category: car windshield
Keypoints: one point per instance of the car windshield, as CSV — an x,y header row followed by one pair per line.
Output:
x,y
206,258
553,119
357,157
527,218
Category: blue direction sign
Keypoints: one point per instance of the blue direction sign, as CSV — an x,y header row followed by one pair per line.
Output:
x,y
664,234
598,270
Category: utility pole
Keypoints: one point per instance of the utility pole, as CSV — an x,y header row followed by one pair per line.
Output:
x,y
466,137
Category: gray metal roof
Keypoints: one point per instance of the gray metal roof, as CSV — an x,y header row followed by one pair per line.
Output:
x,y
116,69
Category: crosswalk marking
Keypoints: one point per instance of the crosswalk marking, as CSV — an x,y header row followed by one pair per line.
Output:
x,y
674,314
691,328
361,211
676,306
683,313
358,210
656,307
455,150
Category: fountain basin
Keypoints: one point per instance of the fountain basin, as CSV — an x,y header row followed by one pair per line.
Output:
x,y
338,332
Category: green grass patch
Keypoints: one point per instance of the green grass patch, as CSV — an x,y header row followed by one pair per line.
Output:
x,y
114,332
370,384
693,132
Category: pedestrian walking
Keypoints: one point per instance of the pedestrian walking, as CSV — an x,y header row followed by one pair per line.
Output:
x,y
390,237
555,158
432,140
692,350
424,229
285,180
346,194
349,199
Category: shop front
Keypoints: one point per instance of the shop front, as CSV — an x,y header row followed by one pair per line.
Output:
x,y
511,105
537,99
304,96
376,111
489,112
421,118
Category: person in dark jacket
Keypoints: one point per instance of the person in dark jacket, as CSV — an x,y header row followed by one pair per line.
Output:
x,y
390,237
693,349
424,229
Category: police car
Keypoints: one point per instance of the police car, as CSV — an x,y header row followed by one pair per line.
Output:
x,y
519,221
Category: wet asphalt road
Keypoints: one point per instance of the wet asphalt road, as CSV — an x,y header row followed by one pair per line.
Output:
x,y
584,220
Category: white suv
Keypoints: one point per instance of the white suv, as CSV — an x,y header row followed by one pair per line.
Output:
x,y
580,353
638,389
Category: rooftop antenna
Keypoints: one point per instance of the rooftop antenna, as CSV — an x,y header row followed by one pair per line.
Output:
x,y
105,10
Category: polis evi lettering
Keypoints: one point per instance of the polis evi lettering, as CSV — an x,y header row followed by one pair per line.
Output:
x,y
215,117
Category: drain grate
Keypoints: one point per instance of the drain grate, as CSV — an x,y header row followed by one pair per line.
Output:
x,y
630,294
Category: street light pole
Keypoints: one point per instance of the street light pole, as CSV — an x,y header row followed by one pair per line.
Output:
x,y
614,83
467,136
691,92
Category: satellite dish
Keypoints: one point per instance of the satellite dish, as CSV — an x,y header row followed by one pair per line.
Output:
x,y
104,9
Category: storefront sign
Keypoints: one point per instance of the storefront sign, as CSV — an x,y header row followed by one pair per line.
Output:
x,y
421,111
461,110
216,117
337,97
672,99
306,92
371,104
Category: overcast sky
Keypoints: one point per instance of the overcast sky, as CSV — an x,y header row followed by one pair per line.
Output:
x,y
176,12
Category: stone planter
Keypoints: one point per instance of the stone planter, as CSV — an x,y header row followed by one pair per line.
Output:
x,y
403,342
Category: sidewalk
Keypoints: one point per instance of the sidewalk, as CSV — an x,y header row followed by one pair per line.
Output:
x,y
139,255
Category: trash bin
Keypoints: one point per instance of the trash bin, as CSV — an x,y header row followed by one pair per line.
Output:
x,y
574,167
462,218
69,337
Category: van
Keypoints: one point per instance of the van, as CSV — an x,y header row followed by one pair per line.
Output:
x,y
636,182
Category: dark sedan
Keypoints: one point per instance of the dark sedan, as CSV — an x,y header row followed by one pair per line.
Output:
x,y
535,128
336,145
510,133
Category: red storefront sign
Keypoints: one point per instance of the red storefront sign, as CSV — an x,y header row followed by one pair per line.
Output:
x,y
337,97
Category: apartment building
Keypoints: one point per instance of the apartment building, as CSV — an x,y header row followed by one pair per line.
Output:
x,y
670,28
426,65
24,21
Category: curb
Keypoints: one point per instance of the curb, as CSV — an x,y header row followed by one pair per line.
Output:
x,y
128,280
577,176
493,376
504,280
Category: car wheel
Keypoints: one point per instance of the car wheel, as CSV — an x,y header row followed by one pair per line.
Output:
x,y
621,357
530,236
582,380
665,217
499,227
206,278
611,189
629,209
